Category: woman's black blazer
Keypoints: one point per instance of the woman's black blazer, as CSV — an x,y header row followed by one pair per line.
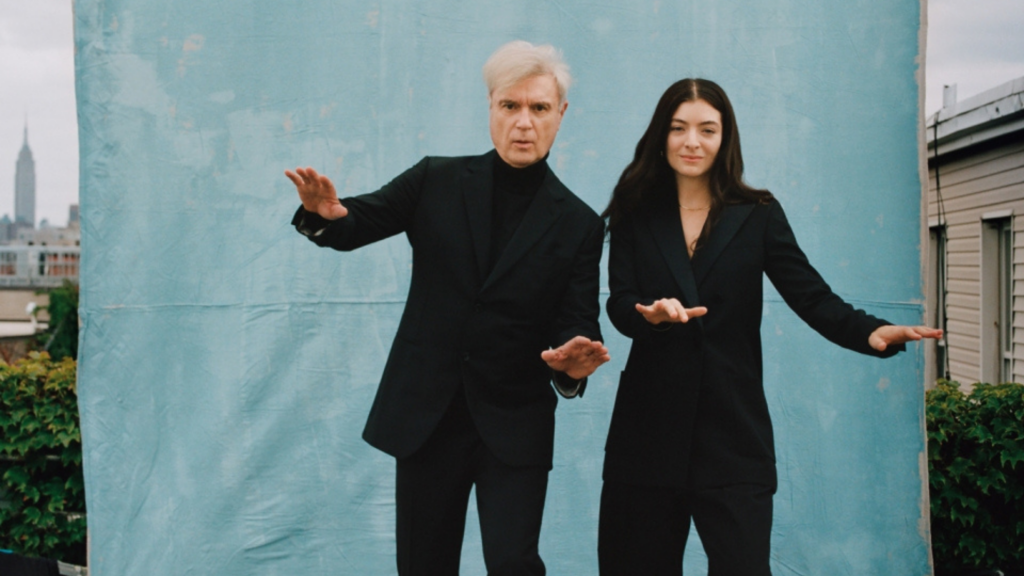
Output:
x,y
690,409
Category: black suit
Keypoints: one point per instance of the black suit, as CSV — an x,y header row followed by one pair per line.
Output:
x,y
471,325
691,414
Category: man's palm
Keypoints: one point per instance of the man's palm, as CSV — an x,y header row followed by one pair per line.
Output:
x,y
578,357
317,193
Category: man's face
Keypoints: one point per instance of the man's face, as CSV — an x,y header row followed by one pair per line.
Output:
x,y
525,118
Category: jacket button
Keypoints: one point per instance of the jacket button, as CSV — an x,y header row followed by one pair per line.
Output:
x,y
478,307
465,357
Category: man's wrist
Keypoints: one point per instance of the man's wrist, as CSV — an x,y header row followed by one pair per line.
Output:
x,y
566,385
309,223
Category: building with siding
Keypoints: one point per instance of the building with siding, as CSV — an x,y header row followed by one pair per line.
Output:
x,y
975,197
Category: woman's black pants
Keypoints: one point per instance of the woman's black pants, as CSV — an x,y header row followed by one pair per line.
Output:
x,y
643,529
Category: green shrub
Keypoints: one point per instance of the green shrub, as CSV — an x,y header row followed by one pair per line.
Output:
x,y
976,475
61,337
42,499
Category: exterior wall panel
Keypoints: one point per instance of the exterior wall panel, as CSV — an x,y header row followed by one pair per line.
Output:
x,y
973,185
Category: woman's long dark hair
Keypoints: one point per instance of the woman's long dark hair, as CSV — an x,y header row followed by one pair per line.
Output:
x,y
650,177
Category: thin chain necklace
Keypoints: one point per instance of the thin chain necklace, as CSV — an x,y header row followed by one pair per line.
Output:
x,y
707,195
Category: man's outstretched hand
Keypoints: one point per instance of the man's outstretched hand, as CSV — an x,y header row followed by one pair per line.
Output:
x,y
578,357
317,193
885,336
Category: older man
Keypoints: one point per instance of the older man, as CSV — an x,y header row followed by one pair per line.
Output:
x,y
503,301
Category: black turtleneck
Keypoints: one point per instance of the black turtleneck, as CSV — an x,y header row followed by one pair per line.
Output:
x,y
514,189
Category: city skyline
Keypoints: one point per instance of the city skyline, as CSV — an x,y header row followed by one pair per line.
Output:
x,y
24,194
37,86
975,45
25,185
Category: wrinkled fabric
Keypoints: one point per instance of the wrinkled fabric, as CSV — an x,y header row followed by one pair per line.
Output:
x,y
227,365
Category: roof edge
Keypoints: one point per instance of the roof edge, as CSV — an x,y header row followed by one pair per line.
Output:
x,y
982,112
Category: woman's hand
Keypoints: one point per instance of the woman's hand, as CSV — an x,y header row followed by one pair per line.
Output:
x,y
885,336
669,310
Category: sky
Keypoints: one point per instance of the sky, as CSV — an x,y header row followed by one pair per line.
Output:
x,y
975,44
37,80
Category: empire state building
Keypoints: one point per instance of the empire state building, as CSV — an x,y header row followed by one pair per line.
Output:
x,y
25,187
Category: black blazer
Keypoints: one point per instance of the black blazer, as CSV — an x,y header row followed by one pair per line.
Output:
x,y
691,410
460,326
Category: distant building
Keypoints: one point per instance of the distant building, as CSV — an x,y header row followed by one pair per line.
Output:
x,y
25,187
38,266
29,258
48,236
7,231
976,261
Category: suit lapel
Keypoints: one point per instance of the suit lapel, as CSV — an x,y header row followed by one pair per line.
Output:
x,y
478,192
667,229
542,213
728,224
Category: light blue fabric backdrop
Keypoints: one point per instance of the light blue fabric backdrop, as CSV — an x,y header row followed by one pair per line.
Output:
x,y
227,364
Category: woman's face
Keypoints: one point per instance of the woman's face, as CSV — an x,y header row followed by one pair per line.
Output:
x,y
694,139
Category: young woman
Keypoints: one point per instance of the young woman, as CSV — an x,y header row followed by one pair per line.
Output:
x,y
691,436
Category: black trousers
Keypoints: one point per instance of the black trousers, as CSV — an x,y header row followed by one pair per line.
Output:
x,y
643,530
432,492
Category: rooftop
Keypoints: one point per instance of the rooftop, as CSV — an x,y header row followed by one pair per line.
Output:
x,y
993,113
20,329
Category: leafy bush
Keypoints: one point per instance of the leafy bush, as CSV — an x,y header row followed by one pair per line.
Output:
x,y
42,499
61,337
976,476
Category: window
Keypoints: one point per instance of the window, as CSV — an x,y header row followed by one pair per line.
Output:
x,y
1006,299
997,298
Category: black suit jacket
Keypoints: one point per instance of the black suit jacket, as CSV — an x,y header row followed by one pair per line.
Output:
x,y
462,326
691,410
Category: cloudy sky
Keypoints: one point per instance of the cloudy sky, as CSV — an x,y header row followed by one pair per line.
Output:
x,y
37,80
975,44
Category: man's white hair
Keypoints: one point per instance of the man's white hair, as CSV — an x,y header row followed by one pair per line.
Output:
x,y
519,60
